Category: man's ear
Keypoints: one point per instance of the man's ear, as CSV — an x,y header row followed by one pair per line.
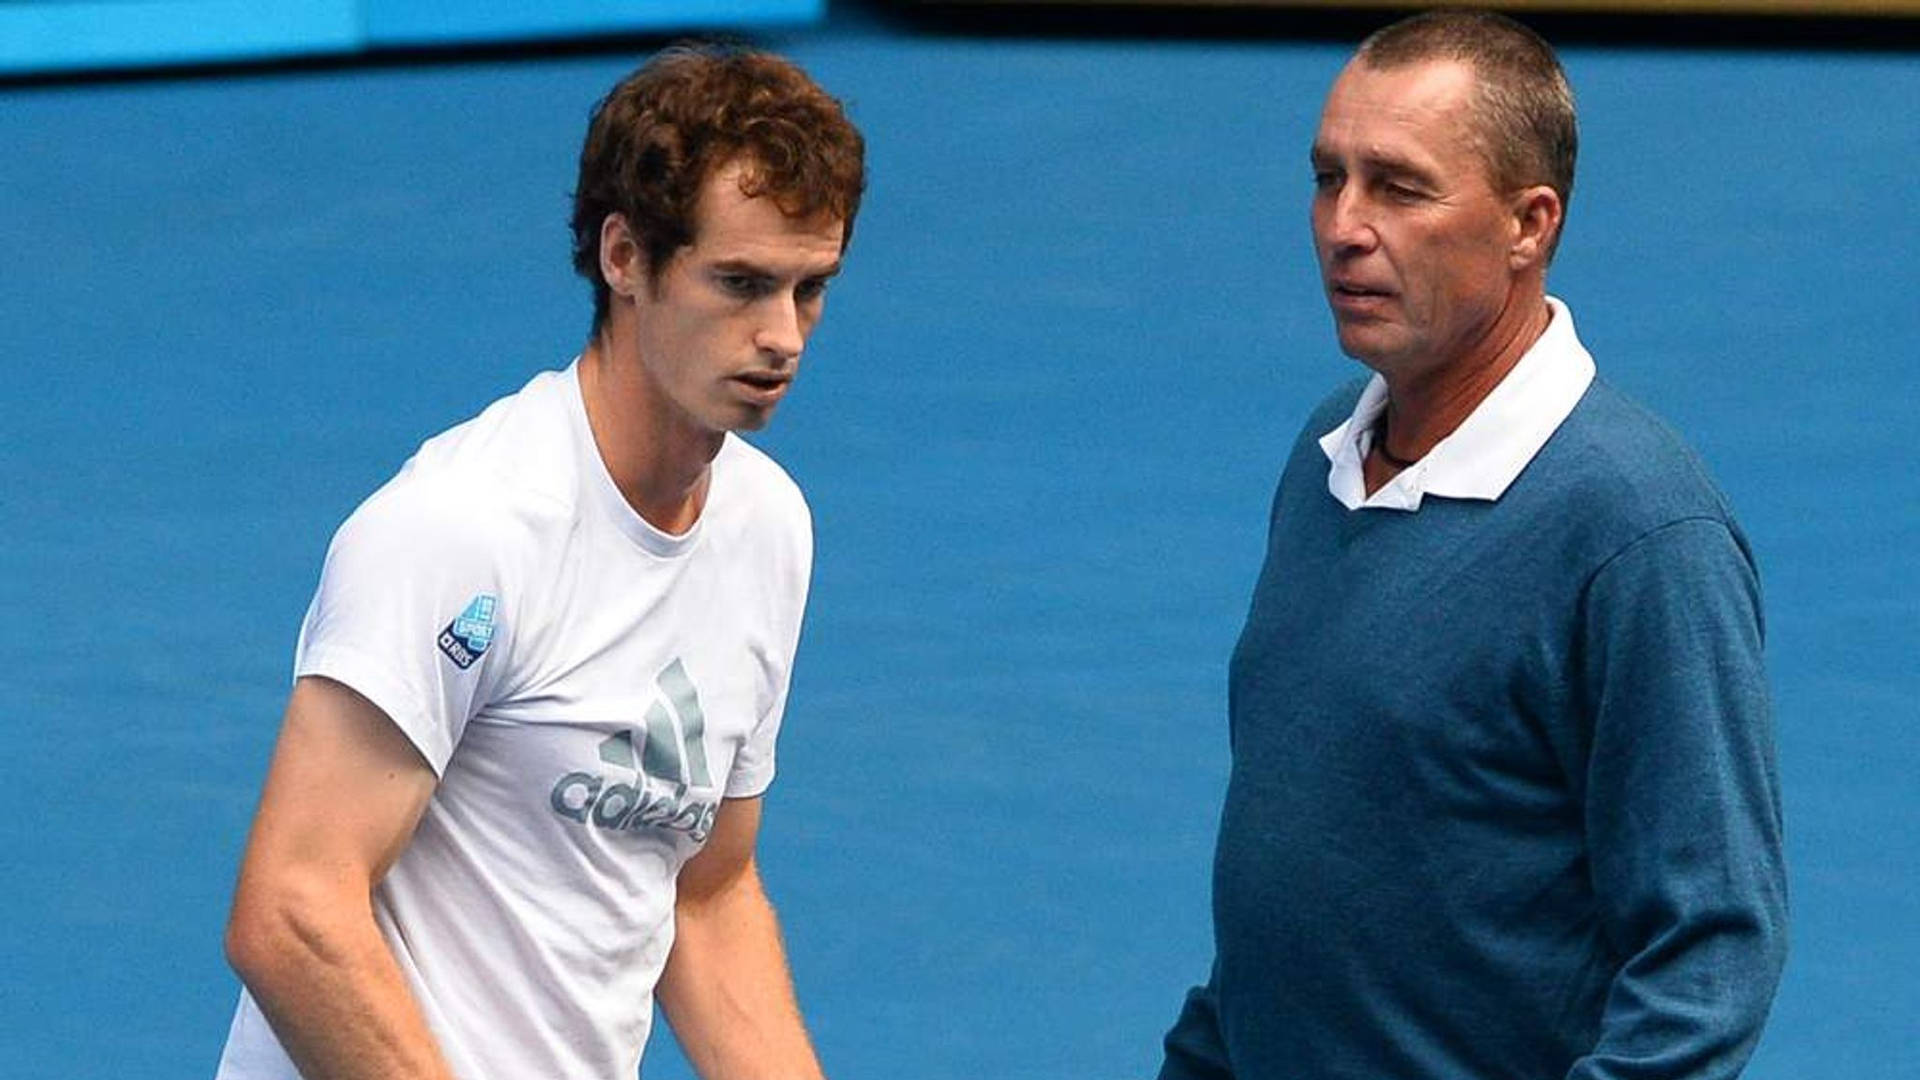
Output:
x,y
622,263
1537,214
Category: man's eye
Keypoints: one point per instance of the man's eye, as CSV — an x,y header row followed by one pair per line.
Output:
x,y
743,285
810,290
1325,179
1403,193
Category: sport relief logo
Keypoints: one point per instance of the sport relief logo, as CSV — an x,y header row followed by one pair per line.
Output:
x,y
661,780
466,638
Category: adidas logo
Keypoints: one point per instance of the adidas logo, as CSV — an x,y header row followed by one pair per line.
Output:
x,y
667,759
681,761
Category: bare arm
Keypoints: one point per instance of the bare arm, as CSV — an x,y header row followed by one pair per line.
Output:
x,y
726,989
343,794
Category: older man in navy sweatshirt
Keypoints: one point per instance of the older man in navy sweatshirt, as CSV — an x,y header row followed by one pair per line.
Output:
x,y
1503,803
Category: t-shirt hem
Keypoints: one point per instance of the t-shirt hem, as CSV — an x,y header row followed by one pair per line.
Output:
x,y
750,786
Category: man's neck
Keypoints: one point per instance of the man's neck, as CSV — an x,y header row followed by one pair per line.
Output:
x,y
662,468
1428,404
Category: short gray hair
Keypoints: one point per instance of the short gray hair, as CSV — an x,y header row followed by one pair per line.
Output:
x,y
1523,112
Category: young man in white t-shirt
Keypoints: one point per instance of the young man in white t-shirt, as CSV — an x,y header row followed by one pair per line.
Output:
x,y
516,791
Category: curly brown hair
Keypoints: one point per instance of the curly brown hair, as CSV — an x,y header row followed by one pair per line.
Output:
x,y
653,141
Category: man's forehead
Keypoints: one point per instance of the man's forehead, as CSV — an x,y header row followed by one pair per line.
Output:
x,y
741,181
735,219
1420,92
1406,111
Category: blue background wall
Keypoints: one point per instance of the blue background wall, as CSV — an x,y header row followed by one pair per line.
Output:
x,y
60,35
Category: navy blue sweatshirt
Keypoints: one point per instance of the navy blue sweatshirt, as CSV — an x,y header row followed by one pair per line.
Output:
x,y
1503,803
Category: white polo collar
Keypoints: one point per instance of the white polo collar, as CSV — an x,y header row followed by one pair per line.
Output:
x,y
1486,453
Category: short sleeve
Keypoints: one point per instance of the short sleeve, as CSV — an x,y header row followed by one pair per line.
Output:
x,y
410,612
753,764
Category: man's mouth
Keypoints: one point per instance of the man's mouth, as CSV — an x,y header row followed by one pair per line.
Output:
x,y
764,386
1355,300
1354,289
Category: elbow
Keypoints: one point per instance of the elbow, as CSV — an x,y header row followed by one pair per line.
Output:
x,y
1746,955
275,934
1777,948
256,941
1766,930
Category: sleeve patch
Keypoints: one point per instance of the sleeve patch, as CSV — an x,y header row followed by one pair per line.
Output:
x,y
465,639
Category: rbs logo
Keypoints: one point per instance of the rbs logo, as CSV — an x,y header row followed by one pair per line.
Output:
x,y
466,638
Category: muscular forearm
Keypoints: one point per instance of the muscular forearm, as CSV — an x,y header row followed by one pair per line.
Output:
x,y
728,994
328,984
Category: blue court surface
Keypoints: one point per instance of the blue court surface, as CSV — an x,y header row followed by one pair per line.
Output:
x,y
1039,429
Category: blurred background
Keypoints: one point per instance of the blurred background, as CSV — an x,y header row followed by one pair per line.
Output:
x,y
252,254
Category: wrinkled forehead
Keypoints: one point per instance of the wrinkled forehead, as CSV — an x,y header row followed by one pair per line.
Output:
x,y
1420,94
1422,110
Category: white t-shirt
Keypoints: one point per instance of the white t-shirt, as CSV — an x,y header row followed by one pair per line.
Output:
x,y
587,687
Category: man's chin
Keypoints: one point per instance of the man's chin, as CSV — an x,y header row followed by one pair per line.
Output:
x,y
754,420
1369,343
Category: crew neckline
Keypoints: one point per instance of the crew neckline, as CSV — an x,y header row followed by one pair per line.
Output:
x,y
606,494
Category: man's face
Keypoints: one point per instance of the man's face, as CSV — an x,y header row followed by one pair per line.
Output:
x,y
1413,241
722,325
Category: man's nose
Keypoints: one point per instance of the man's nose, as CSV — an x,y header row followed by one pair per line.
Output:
x,y
780,334
1348,226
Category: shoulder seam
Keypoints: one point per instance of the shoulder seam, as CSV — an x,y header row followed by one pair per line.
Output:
x,y
1648,535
